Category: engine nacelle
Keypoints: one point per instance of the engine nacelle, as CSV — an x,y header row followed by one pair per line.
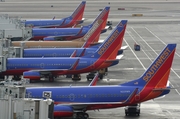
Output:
x,y
50,38
33,75
63,111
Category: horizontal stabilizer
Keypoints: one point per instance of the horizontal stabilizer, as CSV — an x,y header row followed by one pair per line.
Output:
x,y
162,89
124,47
75,65
117,58
80,21
114,61
105,29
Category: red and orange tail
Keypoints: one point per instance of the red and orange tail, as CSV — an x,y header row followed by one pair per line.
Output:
x,y
92,36
77,15
158,73
109,49
103,15
156,76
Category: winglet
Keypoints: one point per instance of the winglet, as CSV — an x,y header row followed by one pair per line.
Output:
x,y
82,53
131,98
74,65
74,53
94,81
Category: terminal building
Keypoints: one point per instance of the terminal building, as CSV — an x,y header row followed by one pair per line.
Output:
x,y
11,29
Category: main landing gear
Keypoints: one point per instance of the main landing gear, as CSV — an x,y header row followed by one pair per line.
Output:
x,y
51,78
16,78
81,115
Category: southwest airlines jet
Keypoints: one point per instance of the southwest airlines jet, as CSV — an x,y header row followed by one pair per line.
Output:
x,y
75,101
68,52
93,35
35,68
74,19
61,34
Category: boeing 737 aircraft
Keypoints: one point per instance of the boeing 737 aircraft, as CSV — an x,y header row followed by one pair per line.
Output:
x,y
90,38
68,52
61,34
35,68
77,100
74,19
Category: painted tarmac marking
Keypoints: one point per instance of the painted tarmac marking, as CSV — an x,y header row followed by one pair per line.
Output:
x,y
133,51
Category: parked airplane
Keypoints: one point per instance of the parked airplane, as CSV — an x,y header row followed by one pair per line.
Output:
x,y
77,100
68,52
74,19
61,34
35,68
93,35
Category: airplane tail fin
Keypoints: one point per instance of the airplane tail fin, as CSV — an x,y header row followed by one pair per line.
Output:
x,y
156,76
109,48
77,15
103,15
92,36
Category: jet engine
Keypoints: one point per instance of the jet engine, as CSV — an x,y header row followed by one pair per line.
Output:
x,y
50,38
63,111
32,75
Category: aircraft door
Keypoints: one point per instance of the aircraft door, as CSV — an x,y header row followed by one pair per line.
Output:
x,y
71,97
42,65
54,55
55,33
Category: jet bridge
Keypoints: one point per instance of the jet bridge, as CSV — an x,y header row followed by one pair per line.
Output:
x,y
9,52
14,29
16,106
2,64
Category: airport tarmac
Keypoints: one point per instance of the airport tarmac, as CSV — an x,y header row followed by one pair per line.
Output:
x,y
159,25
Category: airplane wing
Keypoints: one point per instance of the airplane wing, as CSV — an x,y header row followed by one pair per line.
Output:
x,y
53,26
39,72
60,37
73,67
52,38
48,26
